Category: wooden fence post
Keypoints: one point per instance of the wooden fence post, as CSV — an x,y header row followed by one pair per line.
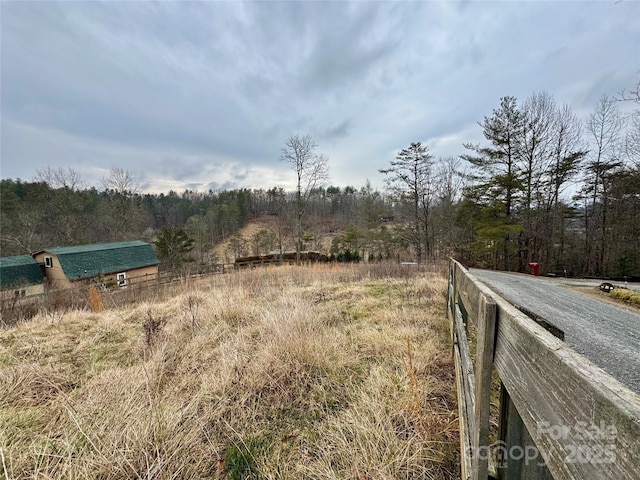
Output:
x,y
515,438
486,335
521,459
556,405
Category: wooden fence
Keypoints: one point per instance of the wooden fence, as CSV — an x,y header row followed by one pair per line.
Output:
x,y
561,417
18,308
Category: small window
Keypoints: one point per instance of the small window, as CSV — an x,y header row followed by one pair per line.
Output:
x,y
48,262
122,279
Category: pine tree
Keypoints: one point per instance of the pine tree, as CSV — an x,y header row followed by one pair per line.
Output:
x,y
497,174
412,185
173,246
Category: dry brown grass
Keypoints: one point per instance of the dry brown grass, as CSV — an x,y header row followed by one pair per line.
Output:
x,y
627,296
622,297
279,373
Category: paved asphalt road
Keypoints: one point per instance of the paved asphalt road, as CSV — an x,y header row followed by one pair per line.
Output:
x,y
607,335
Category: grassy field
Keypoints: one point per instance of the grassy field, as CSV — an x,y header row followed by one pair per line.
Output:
x,y
322,372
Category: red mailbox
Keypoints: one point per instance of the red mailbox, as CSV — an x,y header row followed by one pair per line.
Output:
x,y
535,267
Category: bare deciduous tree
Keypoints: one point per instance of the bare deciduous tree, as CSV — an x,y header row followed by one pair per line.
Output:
x,y
539,112
450,179
312,170
604,127
632,139
633,95
60,177
281,211
120,181
566,156
66,218
123,194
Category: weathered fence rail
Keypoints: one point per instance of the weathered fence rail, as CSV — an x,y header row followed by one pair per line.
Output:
x,y
561,417
13,309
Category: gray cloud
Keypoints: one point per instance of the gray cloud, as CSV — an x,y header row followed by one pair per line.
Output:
x,y
206,93
342,130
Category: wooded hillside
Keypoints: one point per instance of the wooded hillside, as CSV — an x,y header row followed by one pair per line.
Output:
x,y
544,187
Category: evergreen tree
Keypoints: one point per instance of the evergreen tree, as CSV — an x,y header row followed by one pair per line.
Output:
x,y
173,247
498,176
411,183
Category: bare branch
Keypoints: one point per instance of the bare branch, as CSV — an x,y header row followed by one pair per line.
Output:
x,y
311,170
632,96
121,181
60,178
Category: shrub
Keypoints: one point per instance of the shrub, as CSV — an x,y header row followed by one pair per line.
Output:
x,y
347,256
94,299
626,295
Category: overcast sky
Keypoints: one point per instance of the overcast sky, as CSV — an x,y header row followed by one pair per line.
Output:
x,y
204,95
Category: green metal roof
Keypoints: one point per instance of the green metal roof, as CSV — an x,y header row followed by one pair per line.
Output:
x,y
19,271
87,261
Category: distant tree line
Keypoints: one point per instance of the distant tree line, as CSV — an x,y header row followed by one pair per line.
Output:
x,y
52,210
543,187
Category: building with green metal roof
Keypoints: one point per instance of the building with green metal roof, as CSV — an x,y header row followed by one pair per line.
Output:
x,y
122,263
21,274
